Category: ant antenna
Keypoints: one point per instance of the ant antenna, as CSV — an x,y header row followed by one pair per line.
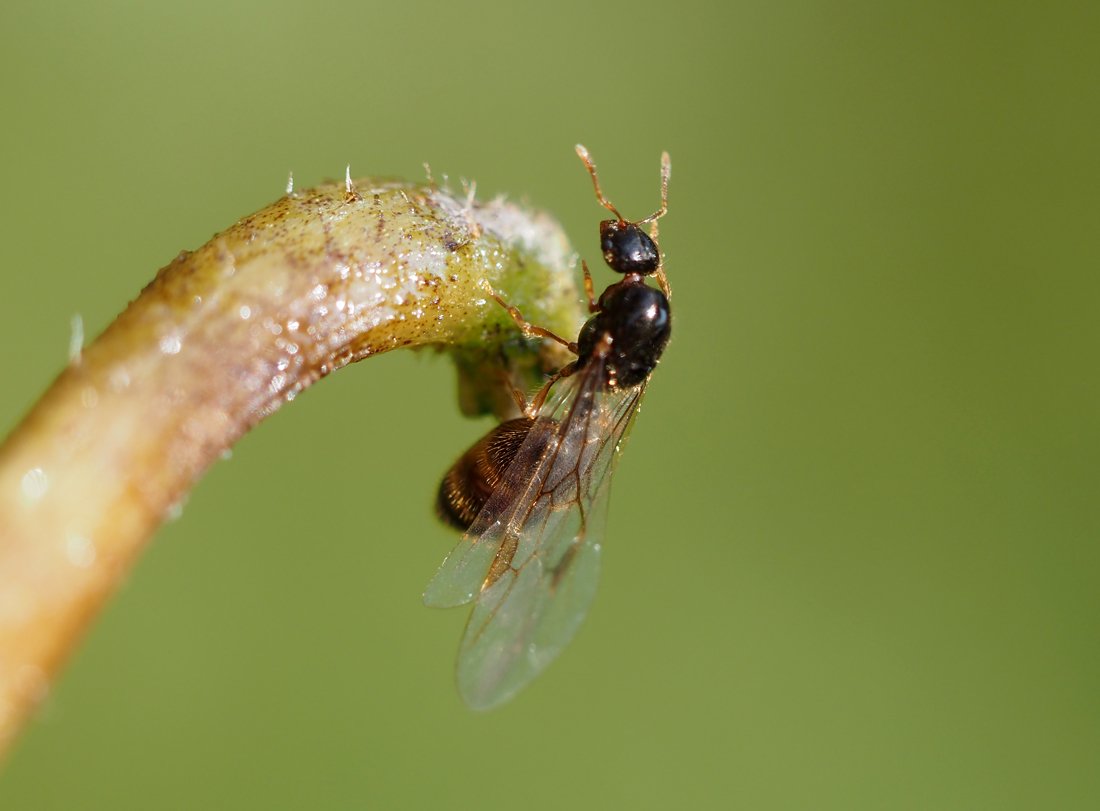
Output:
x,y
666,170
584,156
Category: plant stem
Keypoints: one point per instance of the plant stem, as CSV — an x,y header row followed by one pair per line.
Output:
x,y
220,339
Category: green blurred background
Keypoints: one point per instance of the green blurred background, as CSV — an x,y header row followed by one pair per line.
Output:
x,y
852,559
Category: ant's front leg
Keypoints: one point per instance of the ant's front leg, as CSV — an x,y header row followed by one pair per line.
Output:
x,y
659,274
532,409
589,290
529,329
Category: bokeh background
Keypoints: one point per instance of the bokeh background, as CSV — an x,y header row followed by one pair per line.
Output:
x,y
852,559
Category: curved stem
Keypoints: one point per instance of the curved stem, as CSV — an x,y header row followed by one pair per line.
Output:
x,y
221,338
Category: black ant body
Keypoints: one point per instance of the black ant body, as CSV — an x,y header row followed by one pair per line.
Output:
x,y
526,491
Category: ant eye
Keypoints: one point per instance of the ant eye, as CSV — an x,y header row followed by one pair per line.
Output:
x,y
627,248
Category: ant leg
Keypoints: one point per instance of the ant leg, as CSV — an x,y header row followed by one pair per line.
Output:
x,y
517,395
529,329
589,290
535,407
659,274
506,381
587,159
662,280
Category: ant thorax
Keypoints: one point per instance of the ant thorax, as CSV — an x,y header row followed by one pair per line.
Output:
x,y
636,321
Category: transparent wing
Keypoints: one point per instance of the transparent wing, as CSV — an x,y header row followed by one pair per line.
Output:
x,y
531,557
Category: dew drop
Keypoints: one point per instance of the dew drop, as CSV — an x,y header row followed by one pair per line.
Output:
x,y
174,512
245,312
119,379
35,484
171,344
80,550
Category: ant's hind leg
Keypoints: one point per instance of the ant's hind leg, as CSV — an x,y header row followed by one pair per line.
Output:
x,y
518,396
535,407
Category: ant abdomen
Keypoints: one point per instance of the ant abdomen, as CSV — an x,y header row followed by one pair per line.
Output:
x,y
479,472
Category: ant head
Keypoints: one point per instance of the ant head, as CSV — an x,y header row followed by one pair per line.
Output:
x,y
627,248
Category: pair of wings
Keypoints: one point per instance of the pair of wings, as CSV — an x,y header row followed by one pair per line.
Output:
x,y
531,558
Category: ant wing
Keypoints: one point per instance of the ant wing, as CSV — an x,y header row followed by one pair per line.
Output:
x,y
464,573
532,555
